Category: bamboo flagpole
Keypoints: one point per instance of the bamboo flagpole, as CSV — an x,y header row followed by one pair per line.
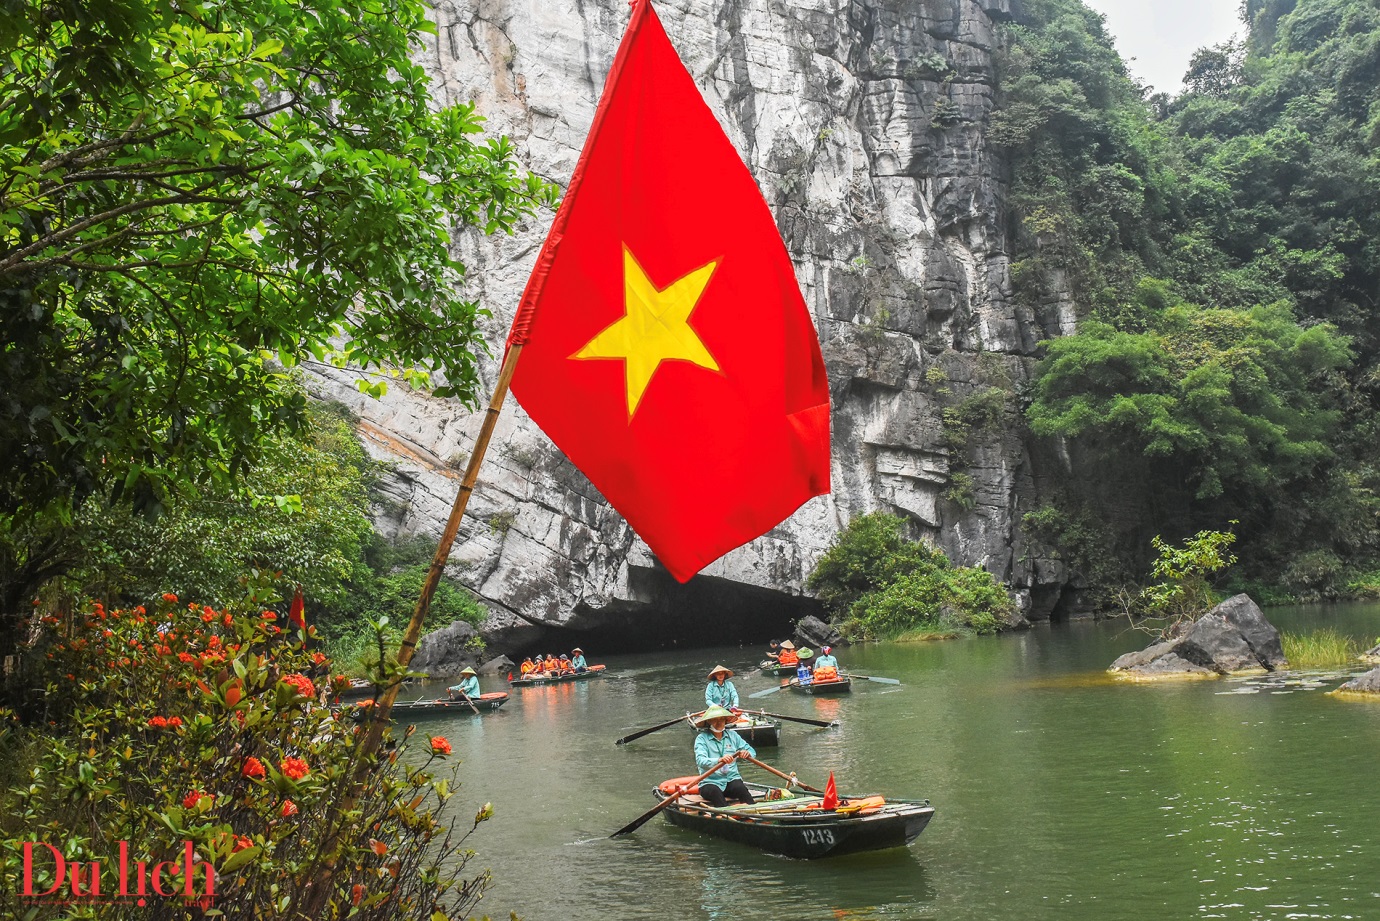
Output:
x,y
380,712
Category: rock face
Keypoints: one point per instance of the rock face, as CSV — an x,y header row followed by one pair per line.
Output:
x,y
865,123
1232,637
813,632
443,653
1369,683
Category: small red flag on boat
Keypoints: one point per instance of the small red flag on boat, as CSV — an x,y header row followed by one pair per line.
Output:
x,y
831,794
666,347
295,615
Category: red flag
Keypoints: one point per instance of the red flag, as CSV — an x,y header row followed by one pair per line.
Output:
x,y
295,615
831,794
666,347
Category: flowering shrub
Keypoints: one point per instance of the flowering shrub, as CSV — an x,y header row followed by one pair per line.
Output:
x,y
167,726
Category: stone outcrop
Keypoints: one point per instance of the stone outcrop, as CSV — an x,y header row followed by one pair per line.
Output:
x,y
443,653
1372,655
866,126
1233,637
813,632
1369,683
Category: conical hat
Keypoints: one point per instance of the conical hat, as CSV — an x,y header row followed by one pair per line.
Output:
x,y
787,644
713,713
720,668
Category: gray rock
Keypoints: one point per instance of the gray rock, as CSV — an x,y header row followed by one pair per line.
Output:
x,y
1371,655
499,665
1369,683
1171,664
1245,615
1142,658
443,653
811,631
866,128
1216,644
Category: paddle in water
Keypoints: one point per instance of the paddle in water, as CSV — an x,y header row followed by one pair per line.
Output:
x,y
646,732
641,820
769,691
870,678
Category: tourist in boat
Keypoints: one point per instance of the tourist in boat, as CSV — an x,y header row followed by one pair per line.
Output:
x,y
720,690
552,665
826,666
577,660
526,668
469,687
717,744
788,655
565,664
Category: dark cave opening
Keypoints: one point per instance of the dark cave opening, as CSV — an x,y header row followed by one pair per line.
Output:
x,y
667,614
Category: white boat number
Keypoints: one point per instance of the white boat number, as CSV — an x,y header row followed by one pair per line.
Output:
x,y
818,836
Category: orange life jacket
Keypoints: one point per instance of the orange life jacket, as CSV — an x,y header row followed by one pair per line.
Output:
x,y
788,657
552,665
527,667
826,673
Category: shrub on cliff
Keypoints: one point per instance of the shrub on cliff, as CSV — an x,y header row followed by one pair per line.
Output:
x,y
195,735
877,584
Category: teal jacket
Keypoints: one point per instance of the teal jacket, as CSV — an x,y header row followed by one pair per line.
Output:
x,y
726,696
826,660
579,662
469,687
709,749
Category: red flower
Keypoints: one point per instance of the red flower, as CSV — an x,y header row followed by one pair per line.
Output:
x,y
302,683
159,722
191,799
208,615
440,745
174,721
294,768
289,808
253,767
269,615
241,842
318,658
170,598
227,620
356,893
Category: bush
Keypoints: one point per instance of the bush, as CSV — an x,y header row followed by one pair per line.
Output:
x,y
880,585
191,724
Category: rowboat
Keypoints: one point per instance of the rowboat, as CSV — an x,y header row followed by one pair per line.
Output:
x,y
839,686
769,667
797,825
755,730
541,678
484,703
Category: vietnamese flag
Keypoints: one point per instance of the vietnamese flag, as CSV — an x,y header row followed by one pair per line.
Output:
x,y
831,794
666,347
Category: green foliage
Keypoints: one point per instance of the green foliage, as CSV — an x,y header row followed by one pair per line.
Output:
x,y
879,584
196,199
1182,590
1324,648
186,723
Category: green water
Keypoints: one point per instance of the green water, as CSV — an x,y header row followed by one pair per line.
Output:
x,y
1060,794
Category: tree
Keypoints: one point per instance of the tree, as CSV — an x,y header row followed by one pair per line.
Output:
x,y
194,199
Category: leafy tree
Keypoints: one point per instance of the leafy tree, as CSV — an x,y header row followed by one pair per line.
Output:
x,y
1182,591
195,198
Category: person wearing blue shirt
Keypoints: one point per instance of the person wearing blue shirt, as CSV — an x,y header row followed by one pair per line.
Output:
x,y
577,660
720,690
469,687
827,660
717,744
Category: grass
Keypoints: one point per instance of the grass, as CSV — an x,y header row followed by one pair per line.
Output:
x,y
1320,649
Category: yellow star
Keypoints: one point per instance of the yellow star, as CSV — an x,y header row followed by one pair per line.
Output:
x,y
655,328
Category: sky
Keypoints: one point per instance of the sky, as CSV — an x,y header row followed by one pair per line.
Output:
x,y
1162,35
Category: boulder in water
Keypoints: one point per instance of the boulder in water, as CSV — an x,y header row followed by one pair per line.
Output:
x,y
813,632
498,665
1233,637
443,653
1369,683
1372,655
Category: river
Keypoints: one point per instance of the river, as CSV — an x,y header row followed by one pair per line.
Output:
x,y
1060,793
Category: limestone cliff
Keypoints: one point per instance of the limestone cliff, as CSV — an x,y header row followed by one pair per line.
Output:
x,y
865,125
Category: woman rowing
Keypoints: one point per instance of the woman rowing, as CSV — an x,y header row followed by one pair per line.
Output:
x,y
469,687
720,690
717,744
577,660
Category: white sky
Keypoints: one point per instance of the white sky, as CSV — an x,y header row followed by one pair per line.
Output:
x,y
1162,35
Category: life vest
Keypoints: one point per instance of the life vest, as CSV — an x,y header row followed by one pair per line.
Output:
x,y
552,665
826,673
788,657
527,667
565,663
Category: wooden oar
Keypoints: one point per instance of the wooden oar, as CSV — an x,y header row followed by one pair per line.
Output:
x,y
638,822
468,701
769,691
870,678
789,777
797,719
646,732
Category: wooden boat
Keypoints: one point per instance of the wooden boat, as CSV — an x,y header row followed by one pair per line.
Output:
x,y
797,826
755,730
819,688
769,667
541,678
484,703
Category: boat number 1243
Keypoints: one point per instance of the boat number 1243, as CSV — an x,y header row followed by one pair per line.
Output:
x,y
818,836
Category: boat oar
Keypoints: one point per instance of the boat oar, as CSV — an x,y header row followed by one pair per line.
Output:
x,y
769,691
797,719
870,678
638,822
646,732
788,777
466,696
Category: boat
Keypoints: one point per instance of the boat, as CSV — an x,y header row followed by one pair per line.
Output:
x,y
540,678
819,688
769,667
797,825
755,730
484,703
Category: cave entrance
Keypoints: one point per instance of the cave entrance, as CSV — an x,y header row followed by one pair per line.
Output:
x,y
666,614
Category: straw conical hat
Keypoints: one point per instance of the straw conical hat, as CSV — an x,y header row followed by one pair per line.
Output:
x,y
720,668
713,713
